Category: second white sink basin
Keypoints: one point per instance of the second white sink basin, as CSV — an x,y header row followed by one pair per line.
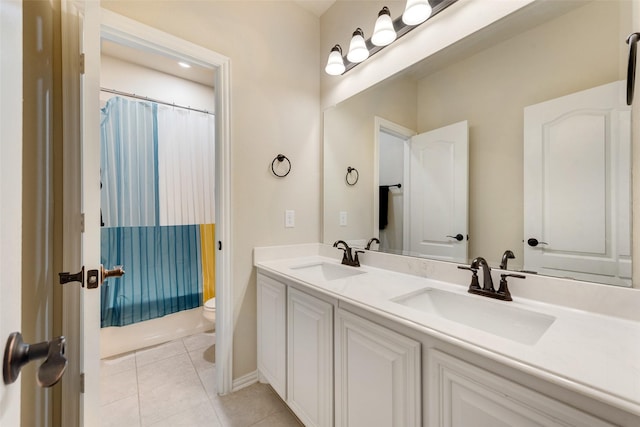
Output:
x,y
326,271
496,317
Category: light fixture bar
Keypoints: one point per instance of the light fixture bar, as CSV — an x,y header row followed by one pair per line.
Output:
x,y
401,29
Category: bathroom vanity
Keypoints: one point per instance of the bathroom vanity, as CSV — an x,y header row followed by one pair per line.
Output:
x,y
400,342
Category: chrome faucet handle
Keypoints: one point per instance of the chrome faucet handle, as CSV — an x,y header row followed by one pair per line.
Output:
x,y
356,261
474,276
503,291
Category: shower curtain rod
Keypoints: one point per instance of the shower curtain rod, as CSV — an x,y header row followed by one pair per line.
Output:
x,y
157,101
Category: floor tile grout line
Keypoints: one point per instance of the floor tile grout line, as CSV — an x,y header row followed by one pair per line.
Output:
x,y
213,407
138,386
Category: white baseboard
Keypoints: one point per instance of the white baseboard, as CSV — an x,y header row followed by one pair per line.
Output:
x,y
245,381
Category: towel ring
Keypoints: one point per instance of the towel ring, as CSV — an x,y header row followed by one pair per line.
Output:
x,y
280,158
353,181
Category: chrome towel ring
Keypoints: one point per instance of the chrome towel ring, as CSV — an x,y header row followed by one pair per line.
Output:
x,y
280,158
349,177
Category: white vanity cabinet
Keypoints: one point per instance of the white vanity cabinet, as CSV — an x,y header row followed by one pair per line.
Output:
x,y
295,349
310,358
272,333
377,375
464,395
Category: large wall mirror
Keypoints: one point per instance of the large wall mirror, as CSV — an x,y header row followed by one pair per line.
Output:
x,y
516,138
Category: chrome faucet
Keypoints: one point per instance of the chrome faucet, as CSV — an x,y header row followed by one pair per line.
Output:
x,y
348,258
506,256
487,281
487,289
371,240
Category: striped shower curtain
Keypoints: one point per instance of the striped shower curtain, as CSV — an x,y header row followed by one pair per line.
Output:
x,y
157,209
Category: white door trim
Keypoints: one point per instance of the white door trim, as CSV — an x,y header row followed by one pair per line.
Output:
x,y
127,31
388,126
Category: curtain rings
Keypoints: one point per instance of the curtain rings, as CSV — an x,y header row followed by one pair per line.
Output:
x,y
349,177
280,158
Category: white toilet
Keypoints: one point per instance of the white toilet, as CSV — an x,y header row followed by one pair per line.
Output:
x,y
209,310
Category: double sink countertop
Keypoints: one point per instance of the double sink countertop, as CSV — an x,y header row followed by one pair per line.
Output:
x,y
591,353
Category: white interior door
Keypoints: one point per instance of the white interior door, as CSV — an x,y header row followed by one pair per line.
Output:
x,y
577,193
439,193
81,216
10,193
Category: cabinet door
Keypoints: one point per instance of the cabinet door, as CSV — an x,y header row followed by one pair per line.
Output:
x,y
272,339
310,359
377,375
463,395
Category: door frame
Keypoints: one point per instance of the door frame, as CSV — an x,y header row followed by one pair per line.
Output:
x,y
97,23
127,31
10,190
384,125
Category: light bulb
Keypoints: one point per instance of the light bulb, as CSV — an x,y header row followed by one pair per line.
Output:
x,y
416,12
383,33
358,51
335,64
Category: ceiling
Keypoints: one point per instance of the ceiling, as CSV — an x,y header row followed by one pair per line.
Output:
x,y
317,7
158,62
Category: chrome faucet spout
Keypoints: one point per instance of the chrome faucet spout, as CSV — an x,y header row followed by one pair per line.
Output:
x,y
506,256
487,282
372,240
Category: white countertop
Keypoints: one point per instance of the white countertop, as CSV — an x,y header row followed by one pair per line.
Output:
x,y
593,354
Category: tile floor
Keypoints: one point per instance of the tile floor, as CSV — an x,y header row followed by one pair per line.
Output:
x,y
173,384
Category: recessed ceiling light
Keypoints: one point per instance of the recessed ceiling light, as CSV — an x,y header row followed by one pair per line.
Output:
x,y
184,65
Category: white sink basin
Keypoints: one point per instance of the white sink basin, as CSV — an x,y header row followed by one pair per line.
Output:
x,y
326,271
496,317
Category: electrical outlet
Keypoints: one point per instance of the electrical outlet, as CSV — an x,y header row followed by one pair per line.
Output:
x,y
343,218
289,218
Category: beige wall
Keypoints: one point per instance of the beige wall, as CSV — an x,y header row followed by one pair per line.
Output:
x,y
275,75
349,135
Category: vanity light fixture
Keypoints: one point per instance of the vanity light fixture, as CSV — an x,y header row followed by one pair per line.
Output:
x,y
416,12
335,64
383,32
358,51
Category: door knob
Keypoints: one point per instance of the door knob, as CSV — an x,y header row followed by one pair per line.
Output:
x,y
17,354
459,237
116,271
533,242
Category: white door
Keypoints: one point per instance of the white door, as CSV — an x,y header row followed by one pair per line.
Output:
x,y
438,193
10,193
81,210
577,193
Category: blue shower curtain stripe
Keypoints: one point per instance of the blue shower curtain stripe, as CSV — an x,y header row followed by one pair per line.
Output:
x,y
163,262
164,279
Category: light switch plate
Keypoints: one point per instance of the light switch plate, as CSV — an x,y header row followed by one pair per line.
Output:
x,y
343,218
289,218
